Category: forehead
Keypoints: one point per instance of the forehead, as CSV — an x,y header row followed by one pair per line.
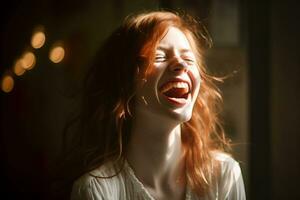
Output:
x,y
174,38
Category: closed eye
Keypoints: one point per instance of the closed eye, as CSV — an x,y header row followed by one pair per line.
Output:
x,y
160,58
189,60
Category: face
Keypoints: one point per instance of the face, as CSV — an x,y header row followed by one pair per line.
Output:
x,y
171,88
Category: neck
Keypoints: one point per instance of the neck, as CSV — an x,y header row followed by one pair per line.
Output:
x,y
155,150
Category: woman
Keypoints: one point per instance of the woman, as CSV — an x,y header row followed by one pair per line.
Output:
x,y
150,128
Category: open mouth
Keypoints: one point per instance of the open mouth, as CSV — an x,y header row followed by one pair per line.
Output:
x,y
177,92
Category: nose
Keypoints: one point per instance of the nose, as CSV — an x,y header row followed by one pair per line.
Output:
x,y
179,65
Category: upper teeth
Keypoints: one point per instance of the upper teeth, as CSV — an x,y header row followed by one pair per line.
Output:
x,y
170,85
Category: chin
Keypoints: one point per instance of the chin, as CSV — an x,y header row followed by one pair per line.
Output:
x,y
186,118
182,116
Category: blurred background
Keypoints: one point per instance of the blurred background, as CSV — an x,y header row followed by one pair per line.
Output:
x,y
46,46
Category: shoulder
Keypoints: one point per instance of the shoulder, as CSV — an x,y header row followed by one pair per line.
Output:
x,y
227,163
100,183
230,182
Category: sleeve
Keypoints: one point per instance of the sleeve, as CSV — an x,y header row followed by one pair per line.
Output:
x,y
231,183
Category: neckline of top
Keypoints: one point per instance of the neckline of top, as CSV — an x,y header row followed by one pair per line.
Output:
x,y
137,183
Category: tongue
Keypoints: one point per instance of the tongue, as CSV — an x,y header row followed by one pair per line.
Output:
x,y
176,93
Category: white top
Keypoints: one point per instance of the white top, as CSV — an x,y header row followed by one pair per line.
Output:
x,y
126,186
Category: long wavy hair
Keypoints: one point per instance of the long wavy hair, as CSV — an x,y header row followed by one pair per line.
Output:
x,y
108,101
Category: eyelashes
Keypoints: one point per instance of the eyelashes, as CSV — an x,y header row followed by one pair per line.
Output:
x,y
160,58
164,58
189,60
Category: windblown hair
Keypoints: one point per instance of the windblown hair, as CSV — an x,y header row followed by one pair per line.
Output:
x,y
109,97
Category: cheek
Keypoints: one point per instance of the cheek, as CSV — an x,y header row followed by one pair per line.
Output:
x,y
196,79
197,75
148,89
148,79
198,85
155,75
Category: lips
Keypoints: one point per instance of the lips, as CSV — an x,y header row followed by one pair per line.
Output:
x,y
176,91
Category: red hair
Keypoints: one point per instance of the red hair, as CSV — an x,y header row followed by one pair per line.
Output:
x,y
108,99
203,133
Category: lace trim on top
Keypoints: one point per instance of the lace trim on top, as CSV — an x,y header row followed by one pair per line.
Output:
x,y
139,185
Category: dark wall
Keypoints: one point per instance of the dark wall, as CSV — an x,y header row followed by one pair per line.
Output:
x,y
285,99
274,99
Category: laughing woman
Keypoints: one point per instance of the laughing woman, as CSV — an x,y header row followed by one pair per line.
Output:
x,y
150,128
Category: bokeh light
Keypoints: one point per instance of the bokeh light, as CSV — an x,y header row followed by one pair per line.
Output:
x,y
28,60
7,83
57,53
18,67
38,39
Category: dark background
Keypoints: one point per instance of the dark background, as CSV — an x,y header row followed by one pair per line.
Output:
x,y
256,41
